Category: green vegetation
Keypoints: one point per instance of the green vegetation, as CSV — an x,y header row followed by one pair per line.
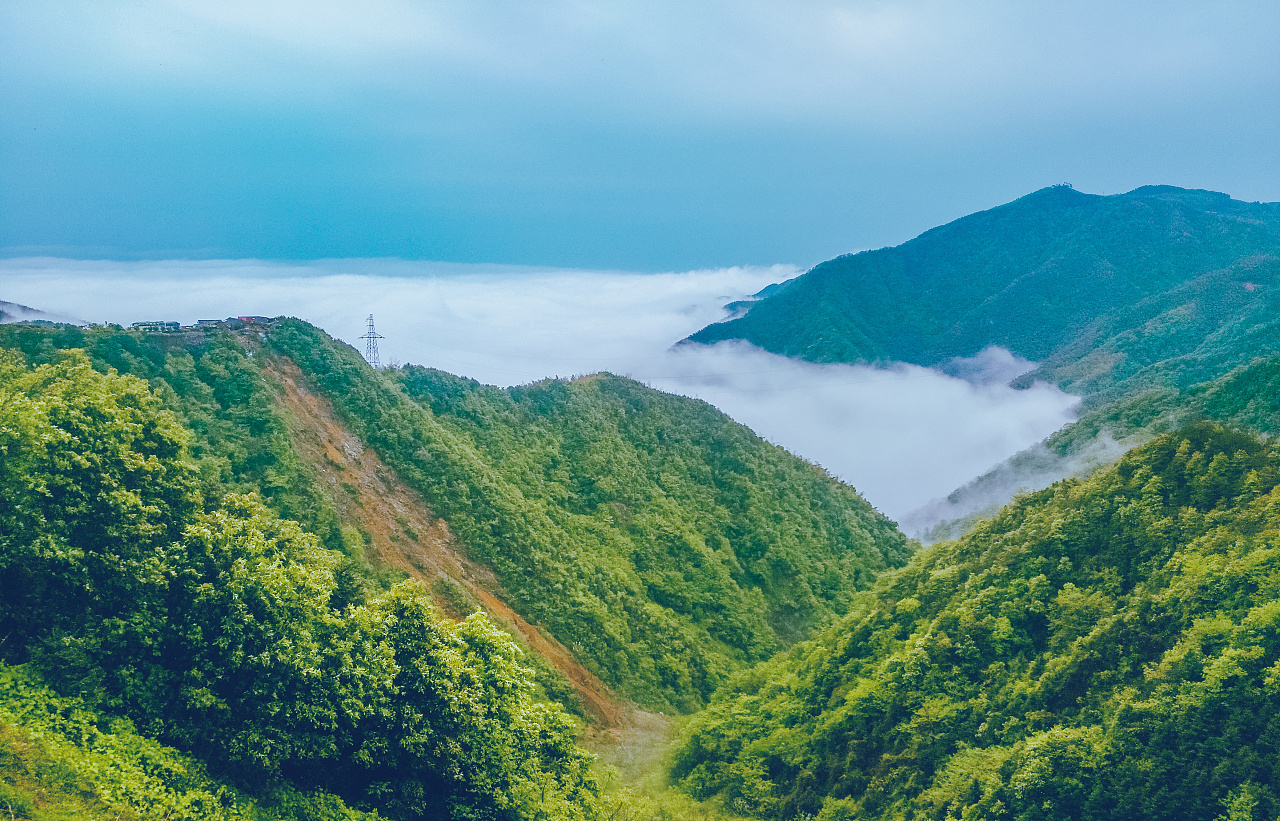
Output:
x,y
1245,397
1101,649
1138,302
171,569
221,629
213,384
1183,284
662,542
1104,648
172,572
61,759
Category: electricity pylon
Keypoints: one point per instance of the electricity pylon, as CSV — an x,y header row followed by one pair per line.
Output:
x,y
371,338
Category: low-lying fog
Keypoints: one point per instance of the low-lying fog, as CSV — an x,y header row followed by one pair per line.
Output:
x,y
902,436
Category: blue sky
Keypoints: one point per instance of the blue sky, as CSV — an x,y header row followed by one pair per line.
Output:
x,y
635,136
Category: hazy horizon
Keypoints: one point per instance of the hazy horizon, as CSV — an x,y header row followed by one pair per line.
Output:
x,y
901,436
571,186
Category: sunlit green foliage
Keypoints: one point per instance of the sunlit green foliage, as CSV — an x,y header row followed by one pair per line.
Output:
x,y
62,759
215,628
213,384
1105,648
93,480
662,542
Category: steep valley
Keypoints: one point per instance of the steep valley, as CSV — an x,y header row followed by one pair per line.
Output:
x,y
608,529
402,533
245,575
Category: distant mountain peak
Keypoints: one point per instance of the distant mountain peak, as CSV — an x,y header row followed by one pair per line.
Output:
x,y
1191,196
1060,193
11,312
1048,276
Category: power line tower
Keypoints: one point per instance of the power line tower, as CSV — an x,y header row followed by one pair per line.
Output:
x,y
371,338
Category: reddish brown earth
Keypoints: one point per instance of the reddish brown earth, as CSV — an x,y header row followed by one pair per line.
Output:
x,y
403,533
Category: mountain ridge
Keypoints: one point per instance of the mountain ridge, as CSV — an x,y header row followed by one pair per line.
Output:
x,y
597,491
1030,276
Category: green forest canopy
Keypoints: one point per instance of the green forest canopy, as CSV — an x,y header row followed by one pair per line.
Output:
x,y
1102,649
219,628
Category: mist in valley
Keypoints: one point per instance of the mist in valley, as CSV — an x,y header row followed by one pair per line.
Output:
x,y
903,436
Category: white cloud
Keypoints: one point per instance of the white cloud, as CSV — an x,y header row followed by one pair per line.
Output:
x,y
914,62
901,436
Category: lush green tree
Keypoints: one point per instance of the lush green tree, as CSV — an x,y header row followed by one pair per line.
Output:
x,y
262,671
213,383
93,481
464,736
220,630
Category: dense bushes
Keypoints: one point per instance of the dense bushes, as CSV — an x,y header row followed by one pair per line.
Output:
x,y
61,758
93,481
214,626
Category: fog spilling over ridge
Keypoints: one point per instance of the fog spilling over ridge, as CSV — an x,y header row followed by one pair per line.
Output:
x,y
902,435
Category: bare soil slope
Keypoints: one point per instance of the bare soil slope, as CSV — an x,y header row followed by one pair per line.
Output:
x,y
403,533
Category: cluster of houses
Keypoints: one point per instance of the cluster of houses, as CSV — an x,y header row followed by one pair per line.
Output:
x,y
230,322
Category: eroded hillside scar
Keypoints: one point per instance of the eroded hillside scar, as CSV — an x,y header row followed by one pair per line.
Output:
x,y
403,533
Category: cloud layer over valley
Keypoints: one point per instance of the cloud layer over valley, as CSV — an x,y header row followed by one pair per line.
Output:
x,y
901,436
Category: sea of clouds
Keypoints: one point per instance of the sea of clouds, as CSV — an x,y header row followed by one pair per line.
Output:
x,y
902,435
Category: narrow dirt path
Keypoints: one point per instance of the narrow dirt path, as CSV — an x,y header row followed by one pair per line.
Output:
x,y
368,494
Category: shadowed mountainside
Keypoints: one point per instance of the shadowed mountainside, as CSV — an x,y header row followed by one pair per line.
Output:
x,y
1095,288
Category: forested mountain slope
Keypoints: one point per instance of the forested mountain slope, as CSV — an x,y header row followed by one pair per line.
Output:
x,y
1102,649
398,531
1136,301
660,542
136,589
1096,288
1245,397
